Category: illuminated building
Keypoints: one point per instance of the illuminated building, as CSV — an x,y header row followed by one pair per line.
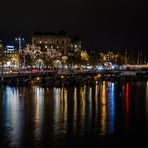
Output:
x,y
65,43
59,41
75,46
1,44
12,55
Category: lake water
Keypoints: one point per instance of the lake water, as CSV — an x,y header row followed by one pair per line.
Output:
x,y
105,115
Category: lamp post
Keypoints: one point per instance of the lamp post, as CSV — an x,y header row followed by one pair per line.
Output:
x,y
20,39
20,43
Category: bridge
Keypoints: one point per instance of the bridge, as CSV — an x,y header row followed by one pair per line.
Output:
x,y
71,77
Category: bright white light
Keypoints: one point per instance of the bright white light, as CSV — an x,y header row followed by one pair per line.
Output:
x,y
76,66
8,63
113,67
19,39
100,68
83,66
89,67
75,46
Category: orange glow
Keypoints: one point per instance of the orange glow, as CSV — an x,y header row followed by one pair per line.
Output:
x,y
103,110
38,78
104,93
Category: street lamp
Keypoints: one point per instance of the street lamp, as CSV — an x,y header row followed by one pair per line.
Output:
x,y
20,43
20,39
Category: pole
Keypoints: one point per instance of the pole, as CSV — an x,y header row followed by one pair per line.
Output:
x,y
20,51
138,58
19,40
20,45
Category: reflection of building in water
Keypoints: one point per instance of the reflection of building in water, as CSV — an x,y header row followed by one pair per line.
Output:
x,y
39,111
103,109
127,102
82,108
95,108
146,102
60,112
89,107
103,97
96,97
63,107
75,109
13,116
111,103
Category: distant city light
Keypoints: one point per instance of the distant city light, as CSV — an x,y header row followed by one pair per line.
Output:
x,y
10,48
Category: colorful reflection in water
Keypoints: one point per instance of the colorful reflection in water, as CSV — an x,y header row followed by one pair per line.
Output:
x,y
127,102
38,96
38,113
103,109
146,102
13,113
75,105
60,112
111,105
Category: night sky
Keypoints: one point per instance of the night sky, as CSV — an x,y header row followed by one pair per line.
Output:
x,y
105,24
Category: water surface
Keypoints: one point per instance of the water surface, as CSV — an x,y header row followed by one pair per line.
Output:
x,y
104,115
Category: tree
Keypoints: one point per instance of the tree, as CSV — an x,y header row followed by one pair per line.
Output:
x,y
31,52
3,58
51,55
34,53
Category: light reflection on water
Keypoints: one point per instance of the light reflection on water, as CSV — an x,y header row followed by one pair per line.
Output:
x,y
103,109
65,113
127,103
38,96
111,107
146,102
13,115
60,112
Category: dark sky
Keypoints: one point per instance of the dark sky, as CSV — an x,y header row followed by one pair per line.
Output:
x,y
100,23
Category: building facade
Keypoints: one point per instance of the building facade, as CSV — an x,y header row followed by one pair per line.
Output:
x,y
52,40
1,45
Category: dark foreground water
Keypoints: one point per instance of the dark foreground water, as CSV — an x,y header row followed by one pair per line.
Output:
x,y
110,114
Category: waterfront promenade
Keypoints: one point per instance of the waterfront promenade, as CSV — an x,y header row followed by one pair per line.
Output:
x,y
70,78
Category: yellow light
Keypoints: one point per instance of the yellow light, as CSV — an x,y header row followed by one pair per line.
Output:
x,y
38,78
62,77
76,66
99,75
